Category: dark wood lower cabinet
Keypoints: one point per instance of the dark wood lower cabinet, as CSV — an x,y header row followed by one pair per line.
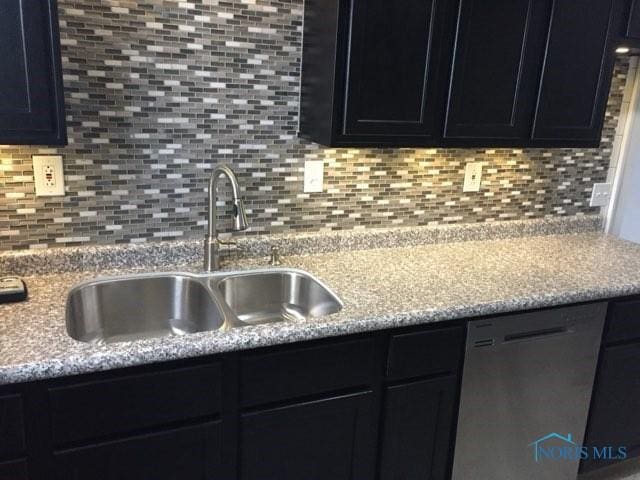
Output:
x,y
12,444
15,470
192,453
377,406
418,427
614,417
306,411
321,440
614,420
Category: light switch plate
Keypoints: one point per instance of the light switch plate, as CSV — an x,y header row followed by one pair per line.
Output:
x,y
313,176
48,175
600,194
472,177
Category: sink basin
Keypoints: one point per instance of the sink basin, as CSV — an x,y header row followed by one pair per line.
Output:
x,y
133,308
160,305
273,296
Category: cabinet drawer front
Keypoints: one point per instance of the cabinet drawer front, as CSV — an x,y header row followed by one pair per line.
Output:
x,y
624,321
425,353
12,442
107,407
297,372
14,470
192,453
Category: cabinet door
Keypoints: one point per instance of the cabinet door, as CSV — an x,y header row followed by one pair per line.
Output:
x,y
393,78
496,66
577,72
31,97
321,440
12,441
633,24
192,453
417,431
14,470
614,419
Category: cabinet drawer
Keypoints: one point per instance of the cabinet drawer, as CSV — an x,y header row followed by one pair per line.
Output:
x,y
11,427
192,453
623,322
425,353
14,470
107,407
309,370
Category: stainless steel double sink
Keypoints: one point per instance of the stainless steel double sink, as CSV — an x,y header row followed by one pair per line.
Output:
x,y
159,305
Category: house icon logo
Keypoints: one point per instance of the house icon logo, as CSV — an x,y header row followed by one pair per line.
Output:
x,y
540,451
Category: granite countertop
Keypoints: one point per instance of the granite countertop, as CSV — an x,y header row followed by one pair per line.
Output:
x,y
381,288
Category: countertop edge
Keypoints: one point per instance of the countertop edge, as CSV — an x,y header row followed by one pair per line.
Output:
x,y
206,344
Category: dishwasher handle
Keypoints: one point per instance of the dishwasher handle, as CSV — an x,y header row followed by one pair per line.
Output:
x,y
538,334
492,333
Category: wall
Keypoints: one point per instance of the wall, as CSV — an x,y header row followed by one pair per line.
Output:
x,y
623,215
158,91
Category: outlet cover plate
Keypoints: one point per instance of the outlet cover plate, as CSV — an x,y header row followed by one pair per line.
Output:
x,y
600,195
313,176
472,177
48,175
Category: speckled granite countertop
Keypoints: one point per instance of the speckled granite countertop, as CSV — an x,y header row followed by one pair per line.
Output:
x,y
381,288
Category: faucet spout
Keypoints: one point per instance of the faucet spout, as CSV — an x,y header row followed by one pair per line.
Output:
x,y
212,244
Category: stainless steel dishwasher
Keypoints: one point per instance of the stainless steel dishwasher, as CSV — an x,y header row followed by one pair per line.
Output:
x,y
527,385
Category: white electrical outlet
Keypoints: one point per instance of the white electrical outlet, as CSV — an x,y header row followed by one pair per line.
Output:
x,y
472,177
600,195
313,176
48,175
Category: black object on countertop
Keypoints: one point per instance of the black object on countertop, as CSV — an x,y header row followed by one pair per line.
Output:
x,y
12,289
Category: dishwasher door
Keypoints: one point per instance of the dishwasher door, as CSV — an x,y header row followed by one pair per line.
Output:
x,y
526,377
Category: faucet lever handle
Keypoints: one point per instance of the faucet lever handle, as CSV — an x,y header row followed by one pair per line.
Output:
x,y
274,261
230,243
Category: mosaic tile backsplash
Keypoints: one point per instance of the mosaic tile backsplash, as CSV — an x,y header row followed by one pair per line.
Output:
x,y
158,91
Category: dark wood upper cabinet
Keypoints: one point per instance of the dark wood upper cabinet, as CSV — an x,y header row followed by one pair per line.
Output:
x,y
391,89
576,76
31,96
374,71
452,73
632,25
495,69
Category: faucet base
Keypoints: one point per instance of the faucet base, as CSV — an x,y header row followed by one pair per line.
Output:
x,y
211,254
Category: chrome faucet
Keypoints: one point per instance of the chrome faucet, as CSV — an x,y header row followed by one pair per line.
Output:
x,y
212,243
